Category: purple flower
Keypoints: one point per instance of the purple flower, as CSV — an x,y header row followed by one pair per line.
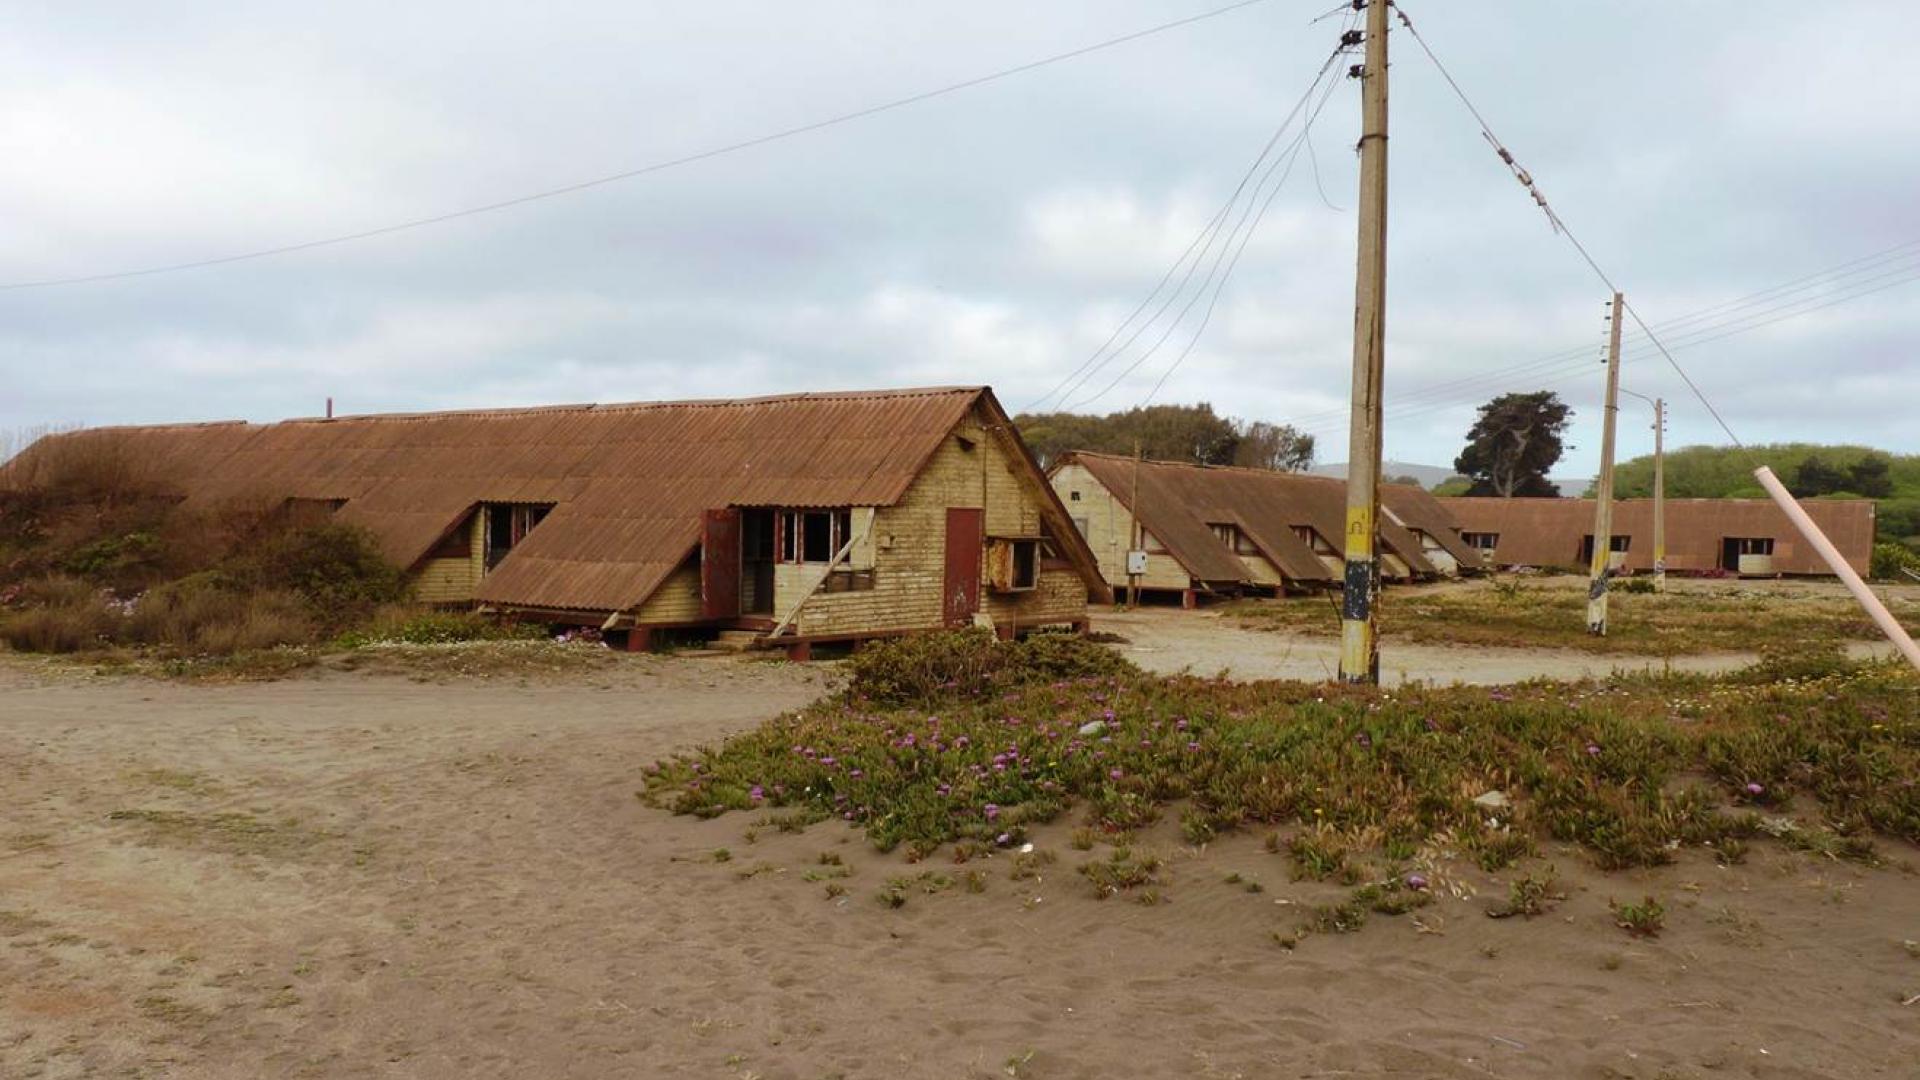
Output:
x,y
992,812
1756,789
1363,739
855,773
1416,882
1116,774
1193,746
826,761
1593,749
755,793
1003,839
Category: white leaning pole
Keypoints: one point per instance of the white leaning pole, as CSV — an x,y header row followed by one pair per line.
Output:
x,y
1888,624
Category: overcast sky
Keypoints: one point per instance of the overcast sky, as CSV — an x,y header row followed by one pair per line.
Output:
x,y
1702,151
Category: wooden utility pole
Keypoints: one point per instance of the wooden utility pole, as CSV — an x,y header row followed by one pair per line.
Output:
x,y
1659,495
1602,567
1135,532
1359,641
1659,488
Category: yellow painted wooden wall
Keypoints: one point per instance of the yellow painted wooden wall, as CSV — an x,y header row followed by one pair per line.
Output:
x,y
1107,523
453,581
971,469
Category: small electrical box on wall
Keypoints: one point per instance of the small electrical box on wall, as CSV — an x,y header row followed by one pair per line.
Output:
x,y
1136,562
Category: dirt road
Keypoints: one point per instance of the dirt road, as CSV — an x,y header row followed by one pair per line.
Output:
x,y
1168,640
365,876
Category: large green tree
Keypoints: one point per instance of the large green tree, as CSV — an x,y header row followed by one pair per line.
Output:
x,y
1513,443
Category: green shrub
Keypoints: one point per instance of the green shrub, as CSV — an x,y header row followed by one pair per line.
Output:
x,y
337,569
1889,559
406,626
971,662
115,559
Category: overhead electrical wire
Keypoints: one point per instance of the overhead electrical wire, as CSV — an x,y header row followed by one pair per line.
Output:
x,y
1203,242
1223,264
644,170
1690,329
1560,226
1306,138
1207,234
1565,371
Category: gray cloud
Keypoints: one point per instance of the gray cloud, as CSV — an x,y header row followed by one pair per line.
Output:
x,y
991,236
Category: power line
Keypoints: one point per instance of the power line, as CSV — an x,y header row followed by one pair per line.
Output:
x,y
1566,371
1526,180
1306,138
645,170
1695,327
1209,234
1243,231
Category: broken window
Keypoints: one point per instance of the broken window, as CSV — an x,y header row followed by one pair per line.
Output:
x,y
1013,563
1618,545
509,523
1234,539
814,536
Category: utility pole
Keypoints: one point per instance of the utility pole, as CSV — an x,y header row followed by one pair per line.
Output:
x,y
1602,567
1359,641
1659,495
1135,533
1659,488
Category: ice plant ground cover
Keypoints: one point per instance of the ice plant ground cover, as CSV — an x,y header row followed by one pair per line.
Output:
x,y
1818,754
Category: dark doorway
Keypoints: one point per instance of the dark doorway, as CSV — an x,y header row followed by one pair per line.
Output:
x,y
756,562
1732,547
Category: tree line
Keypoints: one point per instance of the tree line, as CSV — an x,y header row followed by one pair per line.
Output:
x,y
1190,433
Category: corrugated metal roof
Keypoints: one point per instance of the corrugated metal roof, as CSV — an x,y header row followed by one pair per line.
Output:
x,y
629,480
1551,532
1179,501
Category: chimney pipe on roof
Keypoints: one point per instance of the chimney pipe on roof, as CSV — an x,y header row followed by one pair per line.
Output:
x,y
329,408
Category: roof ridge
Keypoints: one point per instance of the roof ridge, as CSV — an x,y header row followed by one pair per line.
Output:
x,y
645,406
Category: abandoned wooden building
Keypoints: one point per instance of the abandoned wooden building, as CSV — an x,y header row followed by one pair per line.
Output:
x,y
795,519
1211,529
1749,537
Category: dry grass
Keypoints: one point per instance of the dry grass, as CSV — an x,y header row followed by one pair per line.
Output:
x,y
1519,615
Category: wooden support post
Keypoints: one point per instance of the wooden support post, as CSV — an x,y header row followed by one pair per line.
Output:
x,y
800,651
1602,564
1837,562
1189,599
1359,645
640,639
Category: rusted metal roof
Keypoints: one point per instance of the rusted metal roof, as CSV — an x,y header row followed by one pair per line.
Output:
x,y
628,481
1552,532
1179,501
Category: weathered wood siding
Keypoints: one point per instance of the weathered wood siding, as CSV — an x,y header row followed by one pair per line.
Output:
x,y
908,550
1261,571
452,581
678,598
1107,523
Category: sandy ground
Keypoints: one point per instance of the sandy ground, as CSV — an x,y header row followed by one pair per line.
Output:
x,y
1169,640
354,875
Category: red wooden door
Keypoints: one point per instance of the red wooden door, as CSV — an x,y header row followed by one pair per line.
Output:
x,y
720,564
965,534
